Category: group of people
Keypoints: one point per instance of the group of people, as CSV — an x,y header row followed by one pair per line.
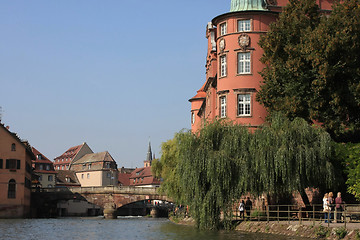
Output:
x,y
330,204
245,206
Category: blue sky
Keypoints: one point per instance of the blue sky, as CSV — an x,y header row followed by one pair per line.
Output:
x,y
109,73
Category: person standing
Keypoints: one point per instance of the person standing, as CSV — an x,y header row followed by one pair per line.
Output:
x,y
248,206
339,206
326,207
331,204
242,209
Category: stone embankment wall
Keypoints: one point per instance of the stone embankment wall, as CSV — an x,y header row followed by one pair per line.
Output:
x,y
316,231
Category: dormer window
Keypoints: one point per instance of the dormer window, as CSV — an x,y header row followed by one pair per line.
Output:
x,y
39,156
13,147
89,166
67,179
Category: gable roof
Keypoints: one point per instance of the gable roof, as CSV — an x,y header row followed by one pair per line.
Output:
x,y
63,174
43,160
23,143
124,179
93,158
71,152
145,175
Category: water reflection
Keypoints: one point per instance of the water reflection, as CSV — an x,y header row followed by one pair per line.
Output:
x,y
122,228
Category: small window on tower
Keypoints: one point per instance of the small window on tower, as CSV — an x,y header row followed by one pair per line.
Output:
x,y
244,25
223,29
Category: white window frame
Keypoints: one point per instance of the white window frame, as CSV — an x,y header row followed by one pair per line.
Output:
x,y
223,29
223,66
244,25
244,62
223,106
244,104
192,117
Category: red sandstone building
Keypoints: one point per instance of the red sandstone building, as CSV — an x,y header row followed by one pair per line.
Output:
x,y
233,65
15,175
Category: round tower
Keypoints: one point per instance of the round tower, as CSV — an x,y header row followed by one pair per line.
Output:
x,y
238,53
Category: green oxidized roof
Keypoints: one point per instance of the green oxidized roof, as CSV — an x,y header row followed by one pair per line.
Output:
x,y
248,5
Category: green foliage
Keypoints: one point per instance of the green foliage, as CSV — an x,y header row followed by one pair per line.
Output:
x,y
351,155
167,167
207,171
357,234
313,66
340,232
322,232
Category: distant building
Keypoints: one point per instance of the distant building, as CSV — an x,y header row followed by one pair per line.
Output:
x,y
124,176
142,177
96,170
233,64
71,155
44,170
15,175
66,178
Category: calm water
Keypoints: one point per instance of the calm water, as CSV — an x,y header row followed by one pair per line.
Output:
x,y
121,228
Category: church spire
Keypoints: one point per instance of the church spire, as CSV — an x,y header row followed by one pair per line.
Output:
x,y
247,5
149,158
149,154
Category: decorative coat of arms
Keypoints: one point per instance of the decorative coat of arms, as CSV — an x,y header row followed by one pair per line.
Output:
x,y
222,44
244,40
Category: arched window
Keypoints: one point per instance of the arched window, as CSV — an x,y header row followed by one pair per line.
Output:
x,y
13,147
12,189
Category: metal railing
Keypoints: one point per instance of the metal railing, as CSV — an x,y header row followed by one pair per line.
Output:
x,y
348,213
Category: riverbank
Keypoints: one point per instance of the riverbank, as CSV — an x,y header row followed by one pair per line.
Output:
x,y
305,230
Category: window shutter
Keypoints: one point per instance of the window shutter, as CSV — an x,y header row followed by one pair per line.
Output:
x,y
1,163
7,163
17,164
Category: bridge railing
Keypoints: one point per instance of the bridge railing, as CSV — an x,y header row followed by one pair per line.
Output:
x,y
312,213
106,189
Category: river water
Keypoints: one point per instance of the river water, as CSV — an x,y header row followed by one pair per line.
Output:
x,y
129,228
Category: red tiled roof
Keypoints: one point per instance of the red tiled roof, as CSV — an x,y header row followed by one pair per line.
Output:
x,y
143,176
43,160
201,94
124,179
70,153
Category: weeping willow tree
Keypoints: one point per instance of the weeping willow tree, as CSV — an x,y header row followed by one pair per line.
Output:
x,y
224,161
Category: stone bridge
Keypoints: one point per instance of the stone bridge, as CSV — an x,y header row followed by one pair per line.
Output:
x,y
109,198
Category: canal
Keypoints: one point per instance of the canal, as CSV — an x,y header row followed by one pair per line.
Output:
x,y
129,228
